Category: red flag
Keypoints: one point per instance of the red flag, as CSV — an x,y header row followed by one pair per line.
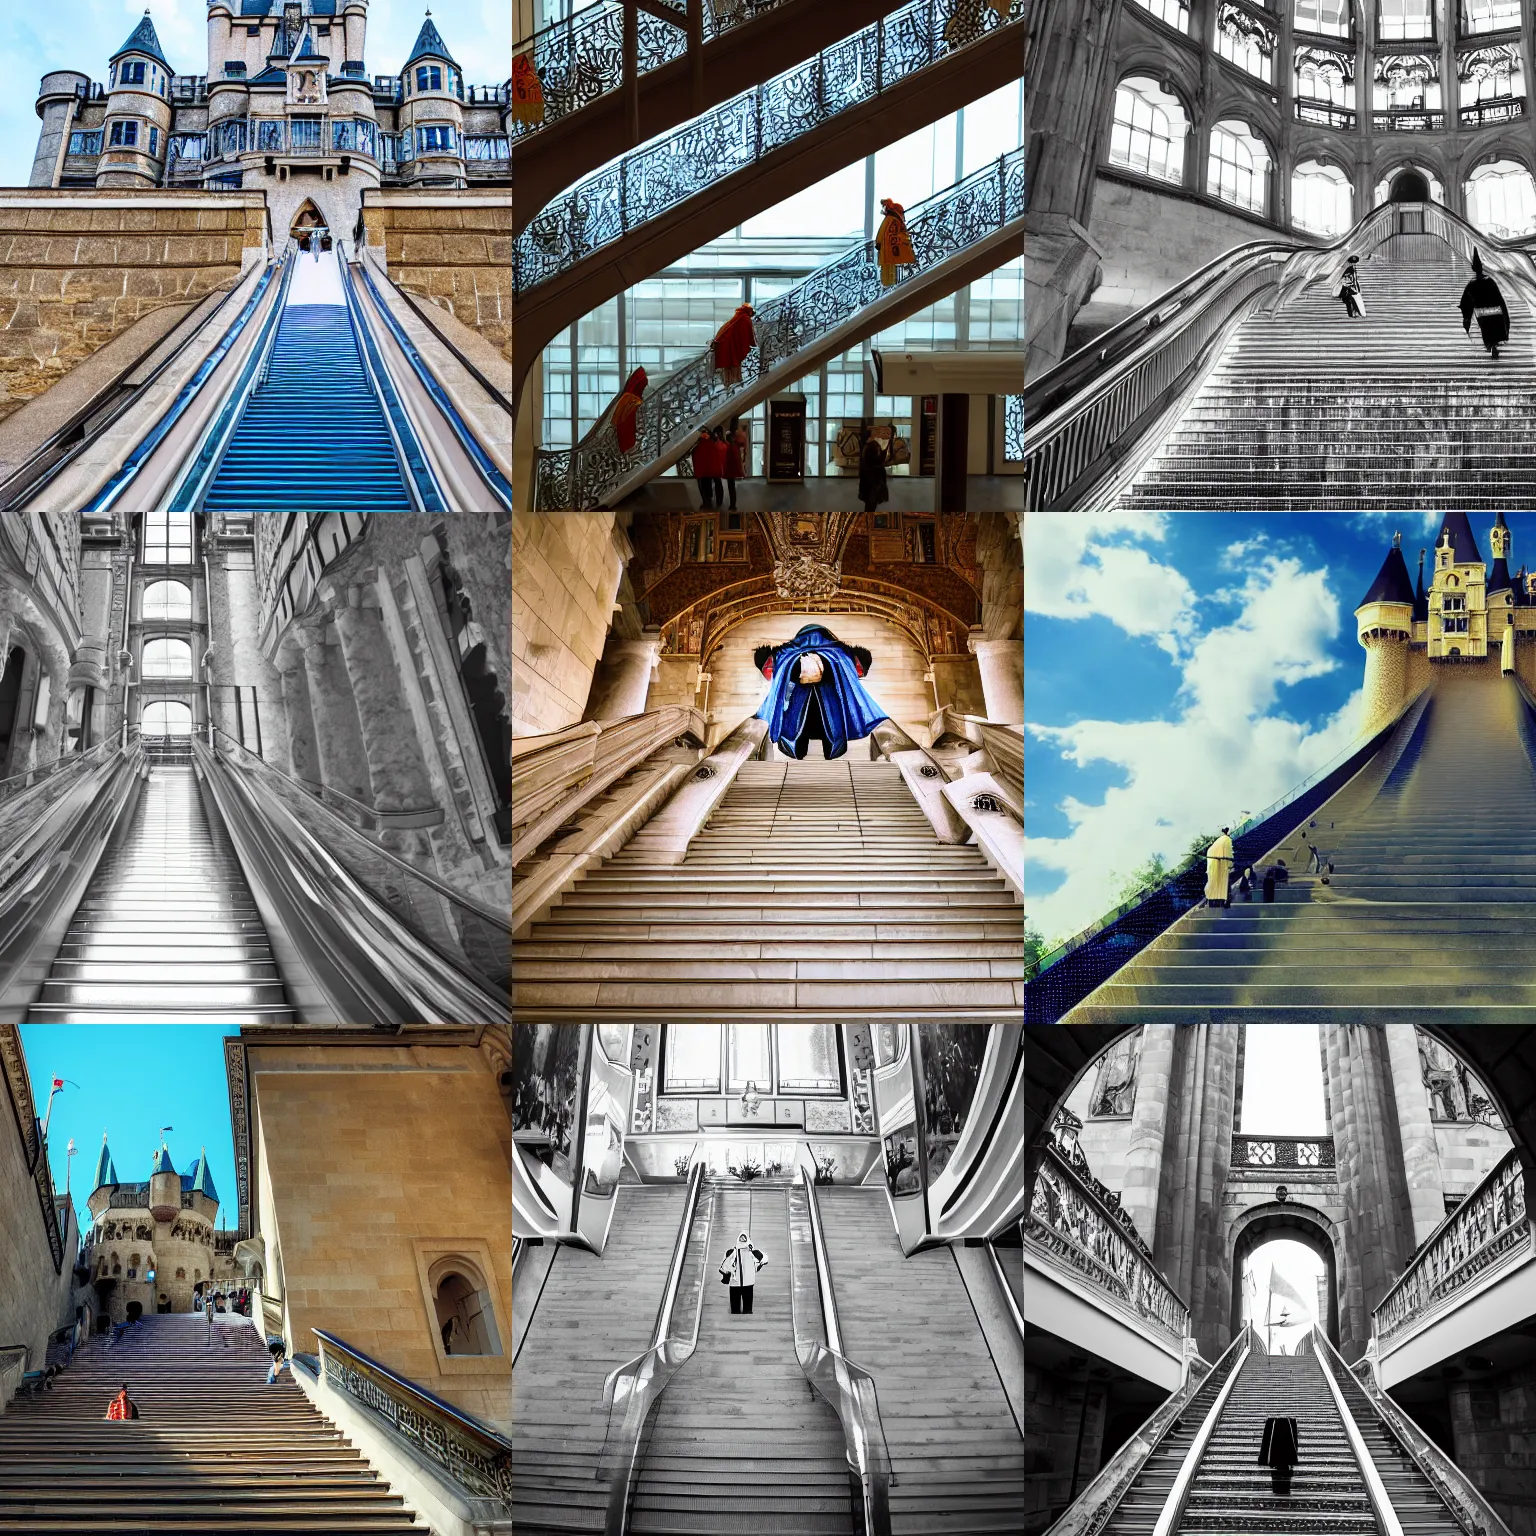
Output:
x,y
58,1082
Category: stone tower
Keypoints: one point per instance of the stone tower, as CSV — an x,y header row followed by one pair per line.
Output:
x,y
432,119
1458,593
1385,628
137,129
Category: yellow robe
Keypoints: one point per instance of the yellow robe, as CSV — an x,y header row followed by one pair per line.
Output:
x,y
1218,870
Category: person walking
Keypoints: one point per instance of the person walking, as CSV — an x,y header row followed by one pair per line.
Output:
x,y
1279,1450
1245,884
1348,289
279,1352
739,1267
1218,870
1482,301
735,447
122,1406
704,470
872,483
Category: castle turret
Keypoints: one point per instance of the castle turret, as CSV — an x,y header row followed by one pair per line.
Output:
x,y
106,1173
1384,626
432,117
164,1187
138,122
58,100
1458,594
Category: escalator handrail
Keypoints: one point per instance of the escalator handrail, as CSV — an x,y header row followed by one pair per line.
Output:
x,y
1381,1505
49,772
1011,1301
345,829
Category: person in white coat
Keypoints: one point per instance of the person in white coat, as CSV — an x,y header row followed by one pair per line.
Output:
x,y
740,1267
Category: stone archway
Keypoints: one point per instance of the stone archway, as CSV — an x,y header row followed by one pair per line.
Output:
x,y
1409,186
1301,1224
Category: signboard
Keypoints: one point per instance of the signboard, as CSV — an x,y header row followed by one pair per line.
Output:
x,y
847,445
786,438
928,435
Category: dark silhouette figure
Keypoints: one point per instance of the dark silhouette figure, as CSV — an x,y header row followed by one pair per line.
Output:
x,y
1348,289
1482,301
1279,1451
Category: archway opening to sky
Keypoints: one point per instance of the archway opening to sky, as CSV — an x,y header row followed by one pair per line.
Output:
x,y
1284,1292
1283,1082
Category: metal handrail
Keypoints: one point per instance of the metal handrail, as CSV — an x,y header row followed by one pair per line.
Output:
x,y
1008,1296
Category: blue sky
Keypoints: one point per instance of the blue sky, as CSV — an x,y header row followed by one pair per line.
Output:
x,y
132,1079
1183,669
39,35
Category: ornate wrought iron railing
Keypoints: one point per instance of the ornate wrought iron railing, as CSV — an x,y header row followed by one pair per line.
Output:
x,y
671,413
582,57
1473,1513
1013,429
470,1452
1491,1228
650,180
1067,1223
1282,1152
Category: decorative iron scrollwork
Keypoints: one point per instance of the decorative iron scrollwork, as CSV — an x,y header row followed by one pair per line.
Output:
x,y
1282,1152
671,411
1013,428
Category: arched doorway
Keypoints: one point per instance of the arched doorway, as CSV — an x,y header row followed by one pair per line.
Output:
x,y
1298,1224
309,228
1409,187
466,1318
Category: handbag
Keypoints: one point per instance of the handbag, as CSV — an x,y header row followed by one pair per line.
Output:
x,y
725,1273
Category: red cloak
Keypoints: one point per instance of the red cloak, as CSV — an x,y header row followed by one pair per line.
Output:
x,y
732,342
527,93
624,409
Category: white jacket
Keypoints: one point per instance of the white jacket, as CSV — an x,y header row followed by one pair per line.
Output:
x,y
736,1261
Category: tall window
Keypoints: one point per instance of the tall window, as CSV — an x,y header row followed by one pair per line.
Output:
x,y
1325,87
1478,16
1397,20
1491,75
1148,131
1283,1081
1501,199
167,538
1240,166
167,658
776,1058
1174,12
429,77
1246,41
1406,84
125,134
1322,200
1329,18
166,717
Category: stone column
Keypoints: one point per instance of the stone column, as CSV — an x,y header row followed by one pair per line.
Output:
x,y
302,751
1149,1124
1421,1153
343,762
628,667
395,768
1002,676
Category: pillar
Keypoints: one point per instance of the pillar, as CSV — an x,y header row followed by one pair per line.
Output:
x,y
1421,1153
1002,676
395,768
1149,1124
626,680
957,681
343,763
954,454
302,750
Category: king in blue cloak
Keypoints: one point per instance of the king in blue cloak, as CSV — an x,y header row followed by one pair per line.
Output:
x,y
834,711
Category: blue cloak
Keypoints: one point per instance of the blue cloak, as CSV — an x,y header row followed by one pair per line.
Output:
x,y
834,711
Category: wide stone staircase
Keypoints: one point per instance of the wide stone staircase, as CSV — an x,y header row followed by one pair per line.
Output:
x,y
815,886
215,1449
1429,907
1307,409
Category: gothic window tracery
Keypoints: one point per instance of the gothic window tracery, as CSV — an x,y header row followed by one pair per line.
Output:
x,y
1325,87
1240,166
1492,84
1242,39
1454,1093
1406,91
1149,130
1322,200
1114,1090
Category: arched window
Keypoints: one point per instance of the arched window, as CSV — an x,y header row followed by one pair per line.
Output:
x,y
1148,131
1325,87
1174,12
1403,20
1326,18
166,717
1501,199
1491,81
1244,40
167,600
466,1320
1406,92
1322,200
1478,16
1402,186
1240,166
165,657
181,1274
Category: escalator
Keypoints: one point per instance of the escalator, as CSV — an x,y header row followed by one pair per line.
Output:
x,y
667,198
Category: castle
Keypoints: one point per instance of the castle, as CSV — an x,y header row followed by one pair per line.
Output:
x,y
1468,612
153,1245
286,106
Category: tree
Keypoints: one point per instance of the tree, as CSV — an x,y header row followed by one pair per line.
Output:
x,y
1034,946
1153,872
1198,845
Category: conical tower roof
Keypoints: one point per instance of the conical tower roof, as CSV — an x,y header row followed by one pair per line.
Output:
x,y
143,40
1464,550
429,44
163,1162
202,1179
1392,584
106,1174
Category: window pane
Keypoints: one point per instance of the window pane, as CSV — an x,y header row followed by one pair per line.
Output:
x,y
167,538
693,1057
808,1058
167,658
751,1057
167,600
165,717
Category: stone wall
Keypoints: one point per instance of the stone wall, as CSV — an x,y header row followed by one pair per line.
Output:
x,y
453,248
1054,1414
1493,1424
78,267
33,1298
369,1159
1469,1151
235,661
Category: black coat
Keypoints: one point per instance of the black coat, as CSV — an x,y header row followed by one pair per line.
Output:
x,y
1483,293
872,485
1279,1446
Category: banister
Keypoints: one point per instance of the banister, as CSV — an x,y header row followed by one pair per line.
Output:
x,y
1381,1505
1008,1296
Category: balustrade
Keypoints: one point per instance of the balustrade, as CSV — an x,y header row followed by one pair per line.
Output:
x,y
670,412
650,180
1067,1222
1488,112
1489,1228
1282,1152
1013,428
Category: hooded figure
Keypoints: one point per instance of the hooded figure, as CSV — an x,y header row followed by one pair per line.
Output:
x,y
816,693
732,342
1482,301
740,1266
527,93
1279,1451
893,245
1347,289
625,407
1218,869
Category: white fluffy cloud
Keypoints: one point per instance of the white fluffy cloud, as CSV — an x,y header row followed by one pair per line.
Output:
x,y
1222,756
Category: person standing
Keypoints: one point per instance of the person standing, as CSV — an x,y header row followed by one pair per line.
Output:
x,y
735,445
704,469
1482,301
872,483
1347,289
740,1266
122,1406
893,244
1218,870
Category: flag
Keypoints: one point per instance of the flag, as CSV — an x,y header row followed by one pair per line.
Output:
x,y
1280,1286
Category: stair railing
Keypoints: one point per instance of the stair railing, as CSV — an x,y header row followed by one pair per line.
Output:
x,y
985,203
637,1384
1386,1517
465,1449
1089,415
1473,1513
1091,1511
845,1385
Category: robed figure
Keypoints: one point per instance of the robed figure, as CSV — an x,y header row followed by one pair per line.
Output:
x,y
527,93
1279,1450
1482,301
624,409
817,693
732,342
1218,870
893,245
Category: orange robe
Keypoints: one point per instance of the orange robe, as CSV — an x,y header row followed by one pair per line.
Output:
x,y
527,93
624,409
893,245
732,342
